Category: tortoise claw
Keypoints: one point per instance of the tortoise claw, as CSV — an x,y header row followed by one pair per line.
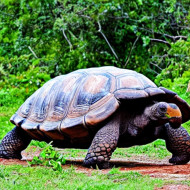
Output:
x,y
179,160
96,165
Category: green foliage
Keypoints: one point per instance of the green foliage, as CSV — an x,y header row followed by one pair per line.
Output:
x,y
49,157
178,84
22,84
179,62
2,72
63,36
40,144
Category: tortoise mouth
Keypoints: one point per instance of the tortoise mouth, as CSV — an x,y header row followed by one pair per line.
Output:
x,y
174,115
173,111
168,112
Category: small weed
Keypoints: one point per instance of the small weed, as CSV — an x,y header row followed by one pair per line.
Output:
x,y
49,157
40,144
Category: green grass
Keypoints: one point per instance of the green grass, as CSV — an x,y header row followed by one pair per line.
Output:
x,y
156,150
5,124
19,177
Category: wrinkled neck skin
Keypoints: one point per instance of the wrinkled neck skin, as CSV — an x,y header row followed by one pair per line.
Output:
x,y
134,120
137,127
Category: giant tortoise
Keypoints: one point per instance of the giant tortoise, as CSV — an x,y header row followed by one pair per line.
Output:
x,y
100,109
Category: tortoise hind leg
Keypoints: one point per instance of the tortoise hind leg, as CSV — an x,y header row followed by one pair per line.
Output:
x,y
103,145
178,143
13,143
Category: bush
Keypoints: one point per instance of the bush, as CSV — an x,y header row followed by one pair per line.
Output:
x,y
67,35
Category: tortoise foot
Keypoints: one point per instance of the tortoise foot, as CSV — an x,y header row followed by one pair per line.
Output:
x,y
103,165
93,163
178,160
9,155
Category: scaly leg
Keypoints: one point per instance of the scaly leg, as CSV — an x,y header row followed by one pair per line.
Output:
x,y
13,143
178,143
103,145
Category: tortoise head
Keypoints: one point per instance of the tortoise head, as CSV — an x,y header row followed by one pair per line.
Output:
x,y
163,112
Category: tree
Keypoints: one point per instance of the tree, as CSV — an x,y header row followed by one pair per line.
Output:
x,y
60,36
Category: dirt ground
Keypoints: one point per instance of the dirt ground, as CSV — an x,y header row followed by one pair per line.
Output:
x,y
153,167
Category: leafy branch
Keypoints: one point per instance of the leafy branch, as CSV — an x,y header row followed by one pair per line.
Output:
x,y
100,30
65,36
33,52
174,38
128,58
160,41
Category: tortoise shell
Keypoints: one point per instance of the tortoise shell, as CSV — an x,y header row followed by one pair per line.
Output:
x,y
68,105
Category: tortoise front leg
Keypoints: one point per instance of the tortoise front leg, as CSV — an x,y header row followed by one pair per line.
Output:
x,y
103,145
13,143
178,143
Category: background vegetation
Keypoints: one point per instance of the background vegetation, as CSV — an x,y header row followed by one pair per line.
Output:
x,y
42,39
58,36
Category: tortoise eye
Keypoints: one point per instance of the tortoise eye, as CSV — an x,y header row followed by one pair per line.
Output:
x,y
163,109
